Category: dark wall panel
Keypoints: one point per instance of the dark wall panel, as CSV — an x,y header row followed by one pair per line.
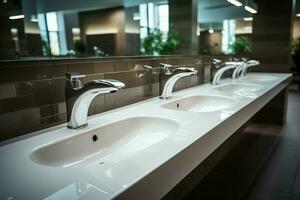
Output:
x,y
32,92
106,42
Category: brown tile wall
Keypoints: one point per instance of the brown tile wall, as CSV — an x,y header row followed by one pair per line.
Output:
x,y
32,92
272,35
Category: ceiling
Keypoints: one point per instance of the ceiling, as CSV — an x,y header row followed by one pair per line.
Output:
x,y
210,11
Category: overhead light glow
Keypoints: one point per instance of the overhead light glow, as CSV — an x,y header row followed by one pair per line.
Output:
x,y
235,2
34,18
251,10
14,31
211,30
99,30
298,15
16,17
136,16
76,31
248,19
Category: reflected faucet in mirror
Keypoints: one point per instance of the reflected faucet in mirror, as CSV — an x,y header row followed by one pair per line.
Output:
x,y
172,76
216,62
79,96
142,70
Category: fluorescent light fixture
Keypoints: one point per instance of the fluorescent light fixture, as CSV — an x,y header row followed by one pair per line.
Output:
x,y
248,19
235,2
16,17
251,10
298,15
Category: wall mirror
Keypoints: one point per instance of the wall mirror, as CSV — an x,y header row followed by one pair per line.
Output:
x,y
33,29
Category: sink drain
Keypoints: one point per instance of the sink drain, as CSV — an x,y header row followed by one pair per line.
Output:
x,y
95,138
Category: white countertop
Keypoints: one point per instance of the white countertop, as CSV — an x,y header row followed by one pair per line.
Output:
x,y
148,173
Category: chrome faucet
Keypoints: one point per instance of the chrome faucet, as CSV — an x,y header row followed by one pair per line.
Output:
x,y
79,97
242,69
171,77
226,66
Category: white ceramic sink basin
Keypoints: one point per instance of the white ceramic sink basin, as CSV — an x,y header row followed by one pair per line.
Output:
x,y
201,103
126,136
259,78
238,89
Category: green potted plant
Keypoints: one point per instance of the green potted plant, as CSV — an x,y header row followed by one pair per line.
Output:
x,y
153,44
172,42
156,44
242,45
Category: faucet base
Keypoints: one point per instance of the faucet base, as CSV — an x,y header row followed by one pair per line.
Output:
x,y
77,127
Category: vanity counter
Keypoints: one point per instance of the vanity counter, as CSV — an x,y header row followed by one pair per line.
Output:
x,y
147,167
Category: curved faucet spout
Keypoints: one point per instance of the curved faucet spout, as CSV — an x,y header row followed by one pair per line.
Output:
x,y
250,63
173,77
241,71
237,70
239,67
79,113
79,97
220,72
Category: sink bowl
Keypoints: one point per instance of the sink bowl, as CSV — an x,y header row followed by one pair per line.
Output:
x,y
201,103
238,89
259,78
129,135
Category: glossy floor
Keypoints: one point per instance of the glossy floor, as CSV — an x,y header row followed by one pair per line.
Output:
x,y
277,178
280,178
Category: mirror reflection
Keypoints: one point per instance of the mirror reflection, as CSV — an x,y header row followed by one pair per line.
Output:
x,y
60,28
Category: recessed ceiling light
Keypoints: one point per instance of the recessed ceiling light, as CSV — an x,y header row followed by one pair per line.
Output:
x,y
16,17
251,10
235,2
248,19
